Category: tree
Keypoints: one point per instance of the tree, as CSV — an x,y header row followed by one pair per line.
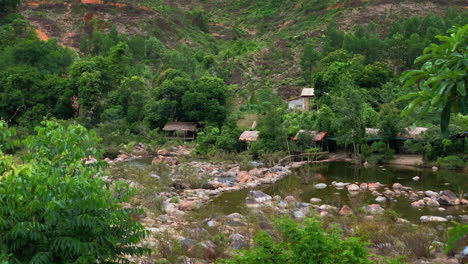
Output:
x,y
206,101
441,81
389,122
349,122
308,59
7,6
57,209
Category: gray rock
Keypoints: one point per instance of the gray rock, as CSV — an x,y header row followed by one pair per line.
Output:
x,y
353,188
282,204
380,199
431,218
238,242
315,200
299,214
259,196
448,198
235,216
374,209
320,186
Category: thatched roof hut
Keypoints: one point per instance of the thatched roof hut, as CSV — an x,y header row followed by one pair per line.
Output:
x,y
413,132
180,126
181,130
249,136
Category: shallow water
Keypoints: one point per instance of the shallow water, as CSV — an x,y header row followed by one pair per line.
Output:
x,y
300,184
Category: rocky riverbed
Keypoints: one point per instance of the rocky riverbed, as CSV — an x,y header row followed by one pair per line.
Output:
x,y
227,203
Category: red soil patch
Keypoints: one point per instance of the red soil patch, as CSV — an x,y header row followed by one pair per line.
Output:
x,y
42,35
145,8
88,17
32,4
118,4
92,2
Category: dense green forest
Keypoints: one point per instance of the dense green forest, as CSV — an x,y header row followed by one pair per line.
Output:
x,y
222,64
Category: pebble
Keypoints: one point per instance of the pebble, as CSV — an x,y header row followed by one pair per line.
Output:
x,y
320,186
380,199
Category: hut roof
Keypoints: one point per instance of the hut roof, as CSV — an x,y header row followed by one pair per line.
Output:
x,y
372,131
180,126
316,135
308,92
249,136
411,132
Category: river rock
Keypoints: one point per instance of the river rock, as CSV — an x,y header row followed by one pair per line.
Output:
x,y
320,186
441,209
373,186
397,186
235,216
434,168
259,196
430,194
374,209
299,214
212,223
448,198
258,172
244,177
431,218
363,186
323,213
339,185
238,242
418,203
353,188
380,199
282,204
416,178
402,221
233,172
290,199
345,210
315,200
432,203
327,207
464,201
389,193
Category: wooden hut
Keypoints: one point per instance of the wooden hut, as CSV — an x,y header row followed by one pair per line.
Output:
x,y
307,94
249,136
181,130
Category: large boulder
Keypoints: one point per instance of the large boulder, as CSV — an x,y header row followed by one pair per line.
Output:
x,y
238,241
448,198
259,196
353,188
431,218
374,209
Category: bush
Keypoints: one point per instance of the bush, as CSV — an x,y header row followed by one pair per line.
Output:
x,y
303,243
451,162
56,210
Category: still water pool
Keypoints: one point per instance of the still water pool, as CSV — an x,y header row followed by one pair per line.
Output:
x,y
300,184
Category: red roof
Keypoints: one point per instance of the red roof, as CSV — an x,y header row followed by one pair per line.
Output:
x,y
317,136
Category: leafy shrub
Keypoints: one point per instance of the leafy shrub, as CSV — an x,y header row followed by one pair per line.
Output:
x,y
303,243
451,162
56,210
